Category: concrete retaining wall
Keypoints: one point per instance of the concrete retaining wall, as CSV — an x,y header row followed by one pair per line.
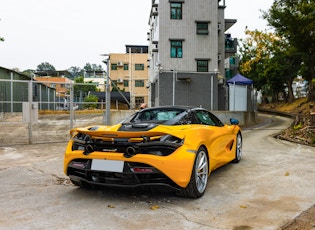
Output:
x,y
245,118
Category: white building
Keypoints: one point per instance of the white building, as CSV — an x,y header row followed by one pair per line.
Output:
x,y
187,49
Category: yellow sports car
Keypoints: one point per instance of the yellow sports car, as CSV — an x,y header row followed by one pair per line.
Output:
x,y
172,146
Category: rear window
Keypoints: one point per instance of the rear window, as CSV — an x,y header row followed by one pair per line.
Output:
x,y
157,115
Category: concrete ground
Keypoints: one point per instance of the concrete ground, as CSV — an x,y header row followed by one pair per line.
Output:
x,y
273,184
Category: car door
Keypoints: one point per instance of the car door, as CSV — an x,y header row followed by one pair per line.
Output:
x,y
220,137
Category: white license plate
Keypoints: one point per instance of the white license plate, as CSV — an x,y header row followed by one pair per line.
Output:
x,y
107,165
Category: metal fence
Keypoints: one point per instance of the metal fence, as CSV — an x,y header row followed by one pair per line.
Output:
x,y
41,112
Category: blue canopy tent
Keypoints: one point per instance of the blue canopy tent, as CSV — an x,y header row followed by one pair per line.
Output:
x,y
239,79
240,93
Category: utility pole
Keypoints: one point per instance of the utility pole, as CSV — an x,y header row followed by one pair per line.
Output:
x,y
107,93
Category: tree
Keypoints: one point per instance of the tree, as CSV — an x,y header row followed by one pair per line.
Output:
x,y
271,62
83,88
45,66
28,72
282,69
295,21
75,71
90,98
255,51
92,67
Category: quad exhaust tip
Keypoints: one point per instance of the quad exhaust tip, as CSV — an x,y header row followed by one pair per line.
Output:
x,y
130,152
88,149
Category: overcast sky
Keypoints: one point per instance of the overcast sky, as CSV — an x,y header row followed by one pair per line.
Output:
x,y
69,33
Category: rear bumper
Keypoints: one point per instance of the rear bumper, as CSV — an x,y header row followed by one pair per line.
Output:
x,y
173,170
132,175
82,182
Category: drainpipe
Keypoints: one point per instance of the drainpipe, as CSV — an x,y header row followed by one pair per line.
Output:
x,y
174,82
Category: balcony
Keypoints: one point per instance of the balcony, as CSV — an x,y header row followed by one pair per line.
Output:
x,y
230,44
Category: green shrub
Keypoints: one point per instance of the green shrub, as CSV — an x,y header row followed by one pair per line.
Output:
x,y
299,126
90,98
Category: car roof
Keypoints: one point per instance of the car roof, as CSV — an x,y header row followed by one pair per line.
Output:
x,y
182,107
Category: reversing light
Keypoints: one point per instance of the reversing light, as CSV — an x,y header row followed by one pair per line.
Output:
x,y
78,164
142,170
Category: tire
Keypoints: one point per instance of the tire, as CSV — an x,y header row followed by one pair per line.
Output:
x,y
82,185
199,176
76,183
238,149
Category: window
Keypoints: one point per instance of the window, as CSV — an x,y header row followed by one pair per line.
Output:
x,y
186,118
176,49
139,66
204,118
207,118
139,101
176,10
232,60
229,42
202,65
139,83
113,66
126,83
202,28
157,114
114,83
126,66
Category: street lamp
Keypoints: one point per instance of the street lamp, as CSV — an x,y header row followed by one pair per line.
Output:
x,y
107,93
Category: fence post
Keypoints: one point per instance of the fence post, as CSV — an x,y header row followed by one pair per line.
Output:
x,y
71,105
11,93
30,102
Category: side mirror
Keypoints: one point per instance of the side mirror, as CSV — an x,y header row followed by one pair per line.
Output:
x,y
234,121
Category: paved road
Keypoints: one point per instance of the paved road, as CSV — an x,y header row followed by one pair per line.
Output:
x,y
272,184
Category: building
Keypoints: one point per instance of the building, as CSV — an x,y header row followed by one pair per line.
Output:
x,y
96,77
129,73
187,51
61,82
54,73
57,80
16,88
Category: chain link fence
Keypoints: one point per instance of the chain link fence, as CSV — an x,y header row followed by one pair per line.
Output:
x,y
40,112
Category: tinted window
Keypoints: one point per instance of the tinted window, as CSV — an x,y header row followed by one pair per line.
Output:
x,y
157,115
186,119
206,118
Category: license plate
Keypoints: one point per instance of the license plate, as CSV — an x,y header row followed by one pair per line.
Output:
x,y
107,165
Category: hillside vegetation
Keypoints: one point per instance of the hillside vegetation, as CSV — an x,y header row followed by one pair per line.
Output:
x,y
301,131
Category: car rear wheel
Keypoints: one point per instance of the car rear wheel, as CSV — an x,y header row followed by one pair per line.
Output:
x,y
82,185
199,177
238,150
